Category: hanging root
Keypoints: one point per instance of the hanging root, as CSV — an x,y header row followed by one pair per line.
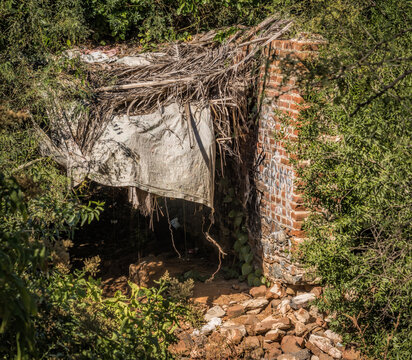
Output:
x,y
171,231
221,254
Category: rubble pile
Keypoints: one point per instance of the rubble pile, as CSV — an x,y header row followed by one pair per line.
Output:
x,y
276,323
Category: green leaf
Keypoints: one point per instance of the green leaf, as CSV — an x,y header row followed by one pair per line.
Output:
x,y
237,246
248,258
227,199
243,238
246,269
250,279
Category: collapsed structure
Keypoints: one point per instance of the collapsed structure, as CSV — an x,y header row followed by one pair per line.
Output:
x,y
157,120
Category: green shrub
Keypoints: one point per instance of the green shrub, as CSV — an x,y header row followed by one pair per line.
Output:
x,y
154,21
76,322
48,312
356,135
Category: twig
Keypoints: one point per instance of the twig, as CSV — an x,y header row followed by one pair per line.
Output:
x,y
220,255
26,165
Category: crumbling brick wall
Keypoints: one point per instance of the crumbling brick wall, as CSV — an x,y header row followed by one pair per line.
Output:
x,y
281,212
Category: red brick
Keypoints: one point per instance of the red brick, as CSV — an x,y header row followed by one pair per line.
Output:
x,y
299,215
297,225
297,233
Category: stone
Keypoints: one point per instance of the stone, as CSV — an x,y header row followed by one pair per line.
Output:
x,y
257,353
182,348
269,295
230,299
210,326
325,345
317,290
201,300
263,327
321,342
314,311
235,310
215,311
229,323
299,355
319,321
268,310
284,306
185,345
350,354
290,291
286,357
300,329
271,318
302,300
272,353
311,326
258,291
300,341
282,324
335,353
324,356
246,320
302,354
336,338
274,335
314,357
253,304
302,316
313,348
216,344
276,290
251,342
234,333
254,311
250,330
290,344
275,303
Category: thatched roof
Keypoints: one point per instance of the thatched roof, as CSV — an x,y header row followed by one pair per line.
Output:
x,y
202,70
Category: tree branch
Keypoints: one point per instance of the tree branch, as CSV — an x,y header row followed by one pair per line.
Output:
x,y
380,93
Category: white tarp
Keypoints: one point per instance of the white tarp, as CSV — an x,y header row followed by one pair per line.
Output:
x,y
162,153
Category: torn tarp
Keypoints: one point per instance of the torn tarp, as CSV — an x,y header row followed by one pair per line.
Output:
x,y
164,153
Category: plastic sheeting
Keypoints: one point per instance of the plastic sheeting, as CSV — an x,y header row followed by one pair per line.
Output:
x,y
168,153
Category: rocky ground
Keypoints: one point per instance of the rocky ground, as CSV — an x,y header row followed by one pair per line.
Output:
x,y
263,323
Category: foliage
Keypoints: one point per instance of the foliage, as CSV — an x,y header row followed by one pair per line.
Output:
x,y
55,313
356,137
154,21
29,32
241,246
76,322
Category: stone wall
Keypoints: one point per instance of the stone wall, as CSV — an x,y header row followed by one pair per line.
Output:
x,y
281,212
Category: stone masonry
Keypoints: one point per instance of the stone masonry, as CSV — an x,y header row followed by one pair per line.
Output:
x,y
280,205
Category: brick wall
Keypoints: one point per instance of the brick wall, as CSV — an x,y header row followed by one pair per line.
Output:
x,y
281,213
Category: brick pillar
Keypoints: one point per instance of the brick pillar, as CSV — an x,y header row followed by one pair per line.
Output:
x,y
281,211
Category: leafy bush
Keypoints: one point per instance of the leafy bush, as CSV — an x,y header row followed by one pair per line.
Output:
x,y
76,322
154,21
55,313
356,136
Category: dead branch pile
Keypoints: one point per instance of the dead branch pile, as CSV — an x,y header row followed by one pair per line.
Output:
x,y
201,70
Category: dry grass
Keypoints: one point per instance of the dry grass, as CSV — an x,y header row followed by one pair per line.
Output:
x,y
203,70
